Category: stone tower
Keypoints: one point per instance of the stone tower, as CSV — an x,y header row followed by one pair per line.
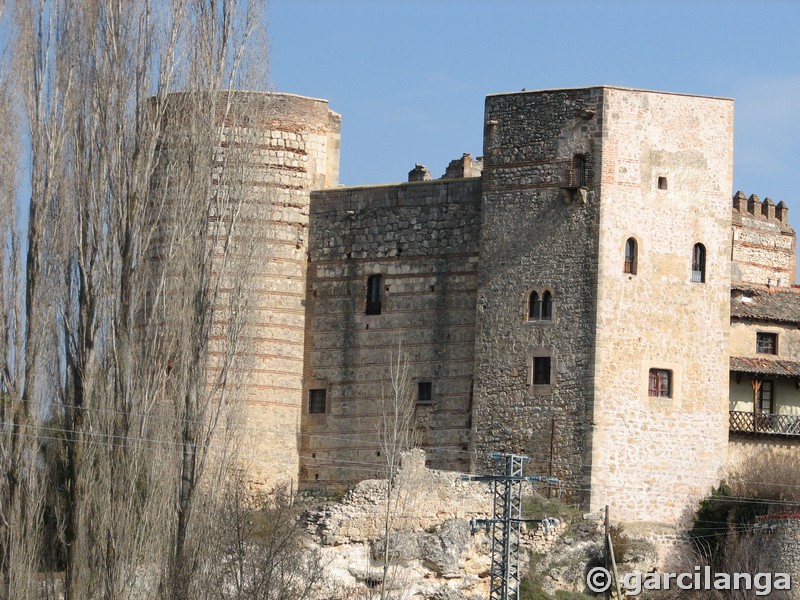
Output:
x,y
603,294
295,150
284,146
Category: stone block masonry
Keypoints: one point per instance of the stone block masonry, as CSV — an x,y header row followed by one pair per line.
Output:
x,y
764,245
549,295
532,240
288,145
421,239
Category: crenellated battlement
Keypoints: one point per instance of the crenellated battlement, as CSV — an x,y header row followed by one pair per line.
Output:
x,y
755,207
764,243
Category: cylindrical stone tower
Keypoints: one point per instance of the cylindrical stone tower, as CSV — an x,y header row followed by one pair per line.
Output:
x,y
277,148
295,148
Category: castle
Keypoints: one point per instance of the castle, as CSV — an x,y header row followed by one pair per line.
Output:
x,y
586,294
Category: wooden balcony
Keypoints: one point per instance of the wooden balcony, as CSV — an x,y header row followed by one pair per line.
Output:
x,y
764,424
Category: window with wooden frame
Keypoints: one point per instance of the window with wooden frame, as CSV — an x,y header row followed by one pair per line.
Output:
x,y
766,397
660,383
374,294
317,401
699,264
631,252
766,343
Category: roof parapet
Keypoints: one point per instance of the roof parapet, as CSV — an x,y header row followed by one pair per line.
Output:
x,y
754,207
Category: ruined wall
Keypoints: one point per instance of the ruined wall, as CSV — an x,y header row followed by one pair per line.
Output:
x,y
764,244
539,232
665,181
294,145
422,239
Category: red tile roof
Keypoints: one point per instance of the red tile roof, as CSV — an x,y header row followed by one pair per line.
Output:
x,y
765,366
766,303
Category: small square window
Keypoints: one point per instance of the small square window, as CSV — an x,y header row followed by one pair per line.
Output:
x,y
541,370
766,343
660,385
316,402
662,183
424,392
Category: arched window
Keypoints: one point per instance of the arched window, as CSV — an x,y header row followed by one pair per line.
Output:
x,y
547,306
534,307
699,264
630,257
374,294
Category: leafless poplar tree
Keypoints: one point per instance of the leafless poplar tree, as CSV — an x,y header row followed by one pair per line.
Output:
x,y
397,435
125,301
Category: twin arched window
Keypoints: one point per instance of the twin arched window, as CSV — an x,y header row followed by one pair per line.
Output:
x,y
540,307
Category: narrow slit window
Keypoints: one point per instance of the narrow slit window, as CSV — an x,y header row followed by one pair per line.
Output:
x,y
374,294
630,256
662,183
699,264
579,170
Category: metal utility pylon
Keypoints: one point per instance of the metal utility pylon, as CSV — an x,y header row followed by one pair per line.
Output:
x,y
506,527
506,522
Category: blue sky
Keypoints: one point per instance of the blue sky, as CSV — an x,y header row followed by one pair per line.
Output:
x,y
409,78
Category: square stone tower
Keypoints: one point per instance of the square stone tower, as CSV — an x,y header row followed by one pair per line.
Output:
x,y
603,293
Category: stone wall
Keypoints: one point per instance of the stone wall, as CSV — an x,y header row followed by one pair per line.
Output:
x,y
764,244
422,239
778,538
539,233
665,182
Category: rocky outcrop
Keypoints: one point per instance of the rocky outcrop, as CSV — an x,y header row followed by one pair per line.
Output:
x,y
434,551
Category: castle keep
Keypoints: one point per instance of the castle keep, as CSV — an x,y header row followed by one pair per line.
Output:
x,y
588,294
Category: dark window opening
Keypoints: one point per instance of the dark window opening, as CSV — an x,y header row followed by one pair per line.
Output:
x,y
660,385
579,170
699,264
547,306
540,308
630,256
766,397
767,343
424,392
541,370
662,183
534,307
316,402
374,294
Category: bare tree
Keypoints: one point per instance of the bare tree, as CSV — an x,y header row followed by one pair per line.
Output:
x,y
132,277
397,435
259,547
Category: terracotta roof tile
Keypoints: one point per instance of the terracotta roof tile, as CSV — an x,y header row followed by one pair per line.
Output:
x,y
766,304
765,366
